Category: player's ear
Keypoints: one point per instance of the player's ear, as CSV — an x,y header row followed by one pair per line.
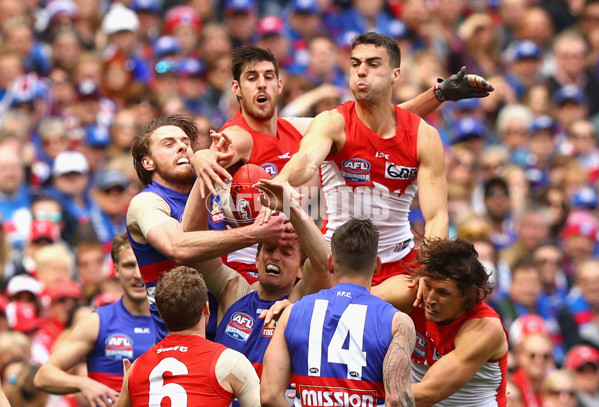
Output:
x,y
147,163
235,88
377,264
331,264
206,310
396,72
280,86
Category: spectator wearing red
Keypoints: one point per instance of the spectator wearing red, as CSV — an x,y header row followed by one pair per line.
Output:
x,y
583,362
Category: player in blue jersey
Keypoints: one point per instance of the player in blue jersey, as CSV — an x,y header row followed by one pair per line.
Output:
x,y
161,235
343,345
279,266
122,330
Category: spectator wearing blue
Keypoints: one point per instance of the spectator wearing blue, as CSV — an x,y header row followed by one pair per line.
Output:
x,y
240,19
167,46
303,21
148,12
471,133
571,105
524,66
364,16
111,197
94,146
192,84
121,26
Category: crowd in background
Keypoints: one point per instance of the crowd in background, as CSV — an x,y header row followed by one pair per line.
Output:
x,y
78,79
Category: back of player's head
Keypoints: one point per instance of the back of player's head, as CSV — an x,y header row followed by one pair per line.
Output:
x,y
141,146
354,247
119,243
180,298
245,56
456,260
380,40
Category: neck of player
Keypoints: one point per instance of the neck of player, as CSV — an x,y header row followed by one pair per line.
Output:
x,y
380,117
263,126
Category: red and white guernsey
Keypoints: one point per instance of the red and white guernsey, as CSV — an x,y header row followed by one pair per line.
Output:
x,y
271,152
375,178
181,369
433,341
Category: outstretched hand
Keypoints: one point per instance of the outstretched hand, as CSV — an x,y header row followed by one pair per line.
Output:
x,y
464,86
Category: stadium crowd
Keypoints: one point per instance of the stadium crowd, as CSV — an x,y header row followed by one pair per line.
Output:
x,y
80,78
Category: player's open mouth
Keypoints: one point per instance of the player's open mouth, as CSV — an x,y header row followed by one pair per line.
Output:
x,y
273,269
262,99
183,160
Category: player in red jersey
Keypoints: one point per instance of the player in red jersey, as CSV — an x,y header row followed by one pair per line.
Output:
x,y
376,155
185,367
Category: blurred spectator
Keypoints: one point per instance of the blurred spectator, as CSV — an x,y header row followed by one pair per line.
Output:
x,y
63,92
364,16
532,228
570,52
479,50
53,140
512,126
556,201
18,37
558,390
497,204
117,78
15,197
524,64
14,345
471,133
22,317
107,215
583,363
548,258
183,23
66,49
24,392
304,21
54,263
90,260
240,19
535,361
511,13
10,373
123,131
64,297
215,41
536,26
70,176
271,32
581,142
541,145
149,15
321,66
513,395
578,319
538,99
579,238
24,288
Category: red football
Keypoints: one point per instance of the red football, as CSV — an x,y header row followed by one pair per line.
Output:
x,y
244,197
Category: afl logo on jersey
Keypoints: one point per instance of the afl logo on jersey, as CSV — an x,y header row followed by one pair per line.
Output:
x,y
356,170
118,346
420,347
271,169
240,326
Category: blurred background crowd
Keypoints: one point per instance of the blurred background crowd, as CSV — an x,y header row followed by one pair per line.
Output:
x,y
78,79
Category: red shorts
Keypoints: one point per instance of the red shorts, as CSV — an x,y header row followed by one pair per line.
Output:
x,y
248,271
396,268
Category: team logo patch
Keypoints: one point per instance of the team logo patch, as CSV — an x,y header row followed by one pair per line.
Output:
x,y
269,330
437,355
356,170
393,171
271,169
420,347
244,209
240,326
118,346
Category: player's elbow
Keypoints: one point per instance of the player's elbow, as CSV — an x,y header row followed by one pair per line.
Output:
x,y
268,397
40,379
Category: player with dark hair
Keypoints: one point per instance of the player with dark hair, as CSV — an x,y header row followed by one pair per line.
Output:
x,y
185,367
309,341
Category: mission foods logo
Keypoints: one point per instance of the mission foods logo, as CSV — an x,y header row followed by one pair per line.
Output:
x,y
338,396
356,170
118,346
240,326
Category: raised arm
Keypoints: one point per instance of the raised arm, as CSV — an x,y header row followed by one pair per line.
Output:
x,y
478,341
53,377
315,274
276,371
432,184
396,365
327,130
148,220
456,87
